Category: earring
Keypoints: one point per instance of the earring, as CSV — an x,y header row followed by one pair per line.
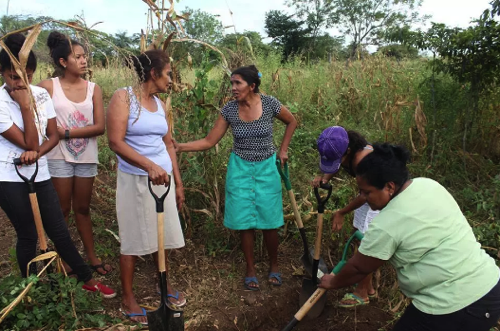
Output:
x,y
390,194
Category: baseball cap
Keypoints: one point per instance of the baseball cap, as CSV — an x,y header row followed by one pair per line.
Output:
x,y
332,145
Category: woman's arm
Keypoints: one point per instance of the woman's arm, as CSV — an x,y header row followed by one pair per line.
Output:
x,y
215,135
355,270
338,216
29,139
286,117
117,121
179,188
53,136
95,129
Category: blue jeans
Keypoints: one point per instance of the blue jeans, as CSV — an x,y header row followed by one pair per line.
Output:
x,y
481,315
14,200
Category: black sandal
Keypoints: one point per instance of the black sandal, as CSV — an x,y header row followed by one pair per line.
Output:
x,y
101,266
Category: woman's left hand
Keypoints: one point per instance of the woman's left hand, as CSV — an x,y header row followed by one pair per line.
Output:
x,y
179,196
29,157
326,282
283,156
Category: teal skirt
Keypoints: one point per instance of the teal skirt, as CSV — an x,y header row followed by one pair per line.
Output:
x,y
253,195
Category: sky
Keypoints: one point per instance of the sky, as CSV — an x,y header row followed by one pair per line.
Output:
x,y
130,15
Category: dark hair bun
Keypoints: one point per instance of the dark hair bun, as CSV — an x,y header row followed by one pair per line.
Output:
x,y
55,39
401,153
253,67
389,152
15,42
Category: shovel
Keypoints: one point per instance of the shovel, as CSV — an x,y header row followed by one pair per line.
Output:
x,y
310,285
167,317
307,257
35,208
319,293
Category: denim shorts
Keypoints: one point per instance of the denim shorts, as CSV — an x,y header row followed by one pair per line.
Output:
x,y
64,169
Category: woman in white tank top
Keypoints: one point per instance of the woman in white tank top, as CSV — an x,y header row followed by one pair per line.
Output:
x,y
80,120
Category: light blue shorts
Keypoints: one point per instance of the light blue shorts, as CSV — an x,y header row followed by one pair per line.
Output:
x,y
64,169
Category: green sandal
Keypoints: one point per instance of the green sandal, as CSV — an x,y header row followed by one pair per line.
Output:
x,y
351,300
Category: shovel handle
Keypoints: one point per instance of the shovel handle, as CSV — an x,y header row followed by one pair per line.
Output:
x,y
322,202
159,200
284,173
309,304
357,235
317,247
31,181
321,291
34,203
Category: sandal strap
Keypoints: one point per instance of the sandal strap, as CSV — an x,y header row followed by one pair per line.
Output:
x,y
276,275
249,280
352,296
143,313
175,296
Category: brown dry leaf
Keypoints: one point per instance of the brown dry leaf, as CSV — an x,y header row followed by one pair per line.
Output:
x,y
168,40
142,46
28,45
190,61
421,122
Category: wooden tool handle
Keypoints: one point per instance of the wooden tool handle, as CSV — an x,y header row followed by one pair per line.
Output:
x,y
296,213
38,221
161,246
319,232
309,303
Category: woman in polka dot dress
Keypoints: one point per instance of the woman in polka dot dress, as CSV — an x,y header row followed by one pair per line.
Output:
x,y
253,185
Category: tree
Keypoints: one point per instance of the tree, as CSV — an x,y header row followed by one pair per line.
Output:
x,y
471,56
362,20
203,26
398,51
287,33
249,40
316,15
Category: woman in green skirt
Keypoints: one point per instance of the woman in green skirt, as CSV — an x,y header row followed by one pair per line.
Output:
x,y
253,185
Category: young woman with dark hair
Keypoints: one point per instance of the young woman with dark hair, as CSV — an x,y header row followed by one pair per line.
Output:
x,y
80,120
253,185
421,231
339,148
139,134
30,134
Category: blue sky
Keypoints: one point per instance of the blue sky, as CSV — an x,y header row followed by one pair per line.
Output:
x,y
130,15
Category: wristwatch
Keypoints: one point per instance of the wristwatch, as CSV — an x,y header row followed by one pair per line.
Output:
x,y
66,134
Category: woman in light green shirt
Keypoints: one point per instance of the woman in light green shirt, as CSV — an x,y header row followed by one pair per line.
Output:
x,y
422,232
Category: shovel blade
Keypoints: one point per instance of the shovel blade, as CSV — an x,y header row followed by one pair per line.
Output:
x,y
307,262
308,288
165,319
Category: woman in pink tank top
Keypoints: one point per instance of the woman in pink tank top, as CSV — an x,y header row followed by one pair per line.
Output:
x,y
80,120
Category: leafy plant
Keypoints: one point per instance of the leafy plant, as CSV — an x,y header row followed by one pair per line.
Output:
x,y
63,305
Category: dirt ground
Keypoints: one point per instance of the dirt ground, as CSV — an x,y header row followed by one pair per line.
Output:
x,y
213,285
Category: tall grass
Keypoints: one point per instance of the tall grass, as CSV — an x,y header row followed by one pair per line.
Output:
x,y
385,100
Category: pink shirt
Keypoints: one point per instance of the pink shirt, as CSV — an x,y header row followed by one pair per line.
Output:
x,y
72,115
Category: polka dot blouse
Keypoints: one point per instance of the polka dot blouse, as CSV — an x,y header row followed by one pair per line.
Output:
x,y
253,141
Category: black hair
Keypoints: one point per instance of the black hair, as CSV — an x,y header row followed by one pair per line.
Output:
x,y
155,59
60,47
14,43
387,163
250,74
356,142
